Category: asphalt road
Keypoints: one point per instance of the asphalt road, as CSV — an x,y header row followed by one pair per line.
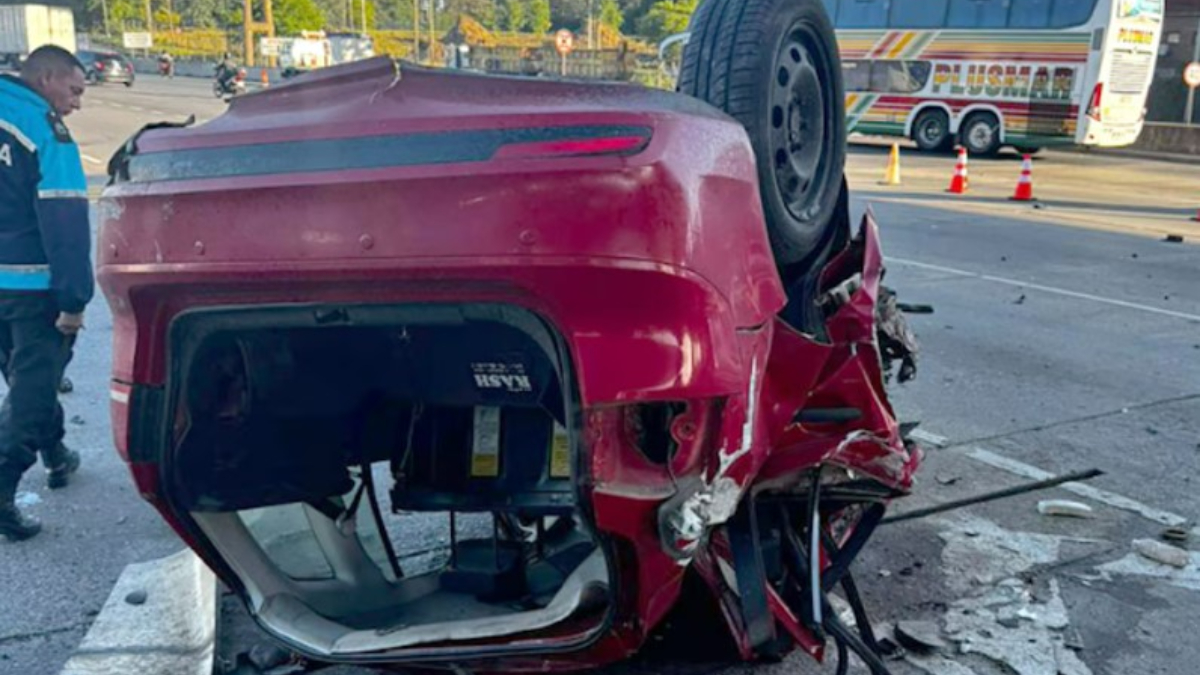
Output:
x,y
1064,337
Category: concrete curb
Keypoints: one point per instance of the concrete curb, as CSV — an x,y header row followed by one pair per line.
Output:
x,y
172,633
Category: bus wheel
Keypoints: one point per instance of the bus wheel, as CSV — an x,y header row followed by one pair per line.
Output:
x,y
931,131
773,66
980,134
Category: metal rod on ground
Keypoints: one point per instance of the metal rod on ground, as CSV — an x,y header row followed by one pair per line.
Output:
x,y
992,496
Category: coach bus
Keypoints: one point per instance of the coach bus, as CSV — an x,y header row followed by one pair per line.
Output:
x,y
993,73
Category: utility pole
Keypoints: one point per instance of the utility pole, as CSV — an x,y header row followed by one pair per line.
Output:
x,y
149,18
362,4
104,10
416,31
247,33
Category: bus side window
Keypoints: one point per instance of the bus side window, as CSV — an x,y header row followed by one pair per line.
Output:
x,y
862,14
1068,13
1030,14
856,75
978,14
899,77
918,13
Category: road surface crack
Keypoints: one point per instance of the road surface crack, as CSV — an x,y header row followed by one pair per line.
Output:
x,y
1074,420
26,637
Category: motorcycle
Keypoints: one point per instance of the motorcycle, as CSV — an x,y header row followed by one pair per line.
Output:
x,y
166,67
232,86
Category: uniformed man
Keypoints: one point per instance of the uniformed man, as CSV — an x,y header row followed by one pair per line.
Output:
x,y
45,269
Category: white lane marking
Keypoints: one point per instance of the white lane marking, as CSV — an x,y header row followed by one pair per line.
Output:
x,y
136,108
928,438
89,158
1050,289
1116,501
157,112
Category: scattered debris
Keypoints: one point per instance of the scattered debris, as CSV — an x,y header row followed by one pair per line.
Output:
x,y
25,500
78,420
908,308
137,597
1073,639
1020,300
1174,239
889,650
1152,431
1134,256
1162,553
1175,534
1039,206
919,636
884,574
946,480
1065,508
66,386
1003,258
268,656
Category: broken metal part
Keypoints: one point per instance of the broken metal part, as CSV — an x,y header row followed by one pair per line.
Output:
x,y
1064,507
908,308
1162,553
1175,534
993,496
919,636
896,340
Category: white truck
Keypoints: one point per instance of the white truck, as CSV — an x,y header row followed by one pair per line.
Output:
x,y
24,28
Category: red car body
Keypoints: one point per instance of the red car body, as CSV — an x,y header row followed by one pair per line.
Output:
x,y
627,220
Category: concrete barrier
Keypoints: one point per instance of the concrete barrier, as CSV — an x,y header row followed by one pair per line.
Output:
x,y
204,69
160,619
1173,139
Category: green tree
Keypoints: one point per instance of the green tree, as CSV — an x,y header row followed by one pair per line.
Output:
x,y
515,17
293,16
122,12
666,17
539,16
611,14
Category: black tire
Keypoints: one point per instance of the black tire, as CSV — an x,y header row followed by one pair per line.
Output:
x,y
1024,150
980,134
773,65
931,131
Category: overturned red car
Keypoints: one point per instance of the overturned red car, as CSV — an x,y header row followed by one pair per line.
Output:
x,y
440,368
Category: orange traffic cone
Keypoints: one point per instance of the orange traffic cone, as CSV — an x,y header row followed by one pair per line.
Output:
x,y
958,184
1024,192
891,176
266,81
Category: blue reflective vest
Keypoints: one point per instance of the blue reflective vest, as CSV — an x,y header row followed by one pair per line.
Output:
x,y
45,238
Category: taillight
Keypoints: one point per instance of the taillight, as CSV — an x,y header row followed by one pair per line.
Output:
x,y
574,147
1093,110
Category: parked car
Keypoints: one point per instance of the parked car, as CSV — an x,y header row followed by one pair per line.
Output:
x,y
107,67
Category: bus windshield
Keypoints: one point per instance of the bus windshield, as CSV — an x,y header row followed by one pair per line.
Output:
x,y
991,73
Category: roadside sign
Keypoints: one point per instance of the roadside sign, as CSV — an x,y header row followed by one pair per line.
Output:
x,y
269,46
137,40
1191,74
564,41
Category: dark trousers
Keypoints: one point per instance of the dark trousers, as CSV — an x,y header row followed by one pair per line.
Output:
x,y
33,355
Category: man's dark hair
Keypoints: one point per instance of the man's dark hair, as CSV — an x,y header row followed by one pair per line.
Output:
x,y
49,60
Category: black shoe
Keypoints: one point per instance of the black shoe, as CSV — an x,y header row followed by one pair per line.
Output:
x,y
16,526
60,476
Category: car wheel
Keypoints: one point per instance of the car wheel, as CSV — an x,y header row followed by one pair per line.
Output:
x,y
1025,150
773,65
980,134
129,83
931,131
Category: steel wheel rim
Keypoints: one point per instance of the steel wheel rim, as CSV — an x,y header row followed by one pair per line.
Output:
x,y
931,130
799,124
981,135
